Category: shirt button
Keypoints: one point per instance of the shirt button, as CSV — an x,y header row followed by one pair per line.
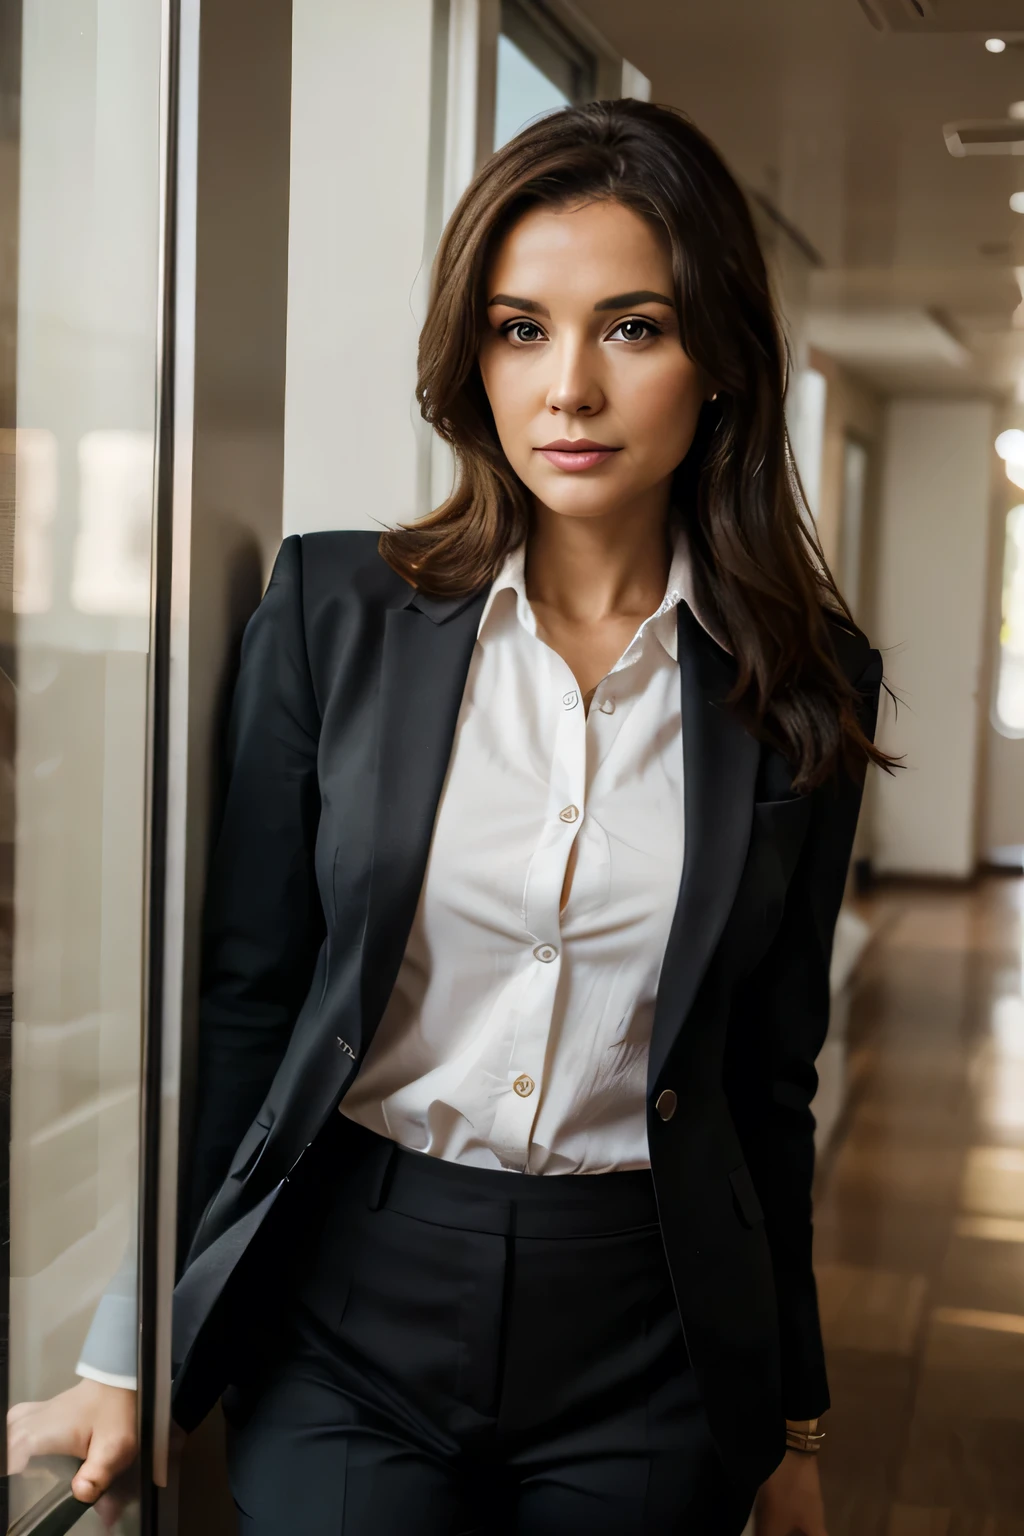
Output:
x,y
607,706
524,1086
546,952
570,700
571,813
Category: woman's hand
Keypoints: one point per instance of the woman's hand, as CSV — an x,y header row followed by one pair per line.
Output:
x,y
789,1503
94,1422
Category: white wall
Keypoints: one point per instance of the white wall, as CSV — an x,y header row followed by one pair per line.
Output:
x,y
932,568
360,165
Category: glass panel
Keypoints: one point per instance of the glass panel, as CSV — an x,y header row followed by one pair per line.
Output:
x,y
551,46
523,92
1010,691
78,642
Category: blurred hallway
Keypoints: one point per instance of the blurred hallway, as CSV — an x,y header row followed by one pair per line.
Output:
x,y
920,1224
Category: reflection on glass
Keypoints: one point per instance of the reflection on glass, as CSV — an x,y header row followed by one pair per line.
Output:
x,y
36,478
86,370
523,92
112,551
1010,689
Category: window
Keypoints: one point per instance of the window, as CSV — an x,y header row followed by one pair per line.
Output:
x,y
1009,708
805,411
855,474
541,67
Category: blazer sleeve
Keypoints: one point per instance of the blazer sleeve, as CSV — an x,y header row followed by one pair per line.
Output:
x,y
779,1025
263,921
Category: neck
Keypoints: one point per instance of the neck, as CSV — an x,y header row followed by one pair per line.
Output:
x,y
592,568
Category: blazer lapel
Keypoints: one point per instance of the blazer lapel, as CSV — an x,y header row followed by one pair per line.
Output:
x,y
720,760
427,648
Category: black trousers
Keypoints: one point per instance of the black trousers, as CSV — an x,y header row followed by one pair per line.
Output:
x,y
468,1351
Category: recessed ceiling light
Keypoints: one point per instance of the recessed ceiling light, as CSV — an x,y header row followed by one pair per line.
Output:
x,y
995,45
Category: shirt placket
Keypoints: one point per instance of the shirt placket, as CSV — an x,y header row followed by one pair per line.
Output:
x,y
614,700
536,1013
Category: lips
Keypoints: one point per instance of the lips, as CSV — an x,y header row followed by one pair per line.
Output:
x,y
576,454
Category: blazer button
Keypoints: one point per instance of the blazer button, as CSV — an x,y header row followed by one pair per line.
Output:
x,y
666,1104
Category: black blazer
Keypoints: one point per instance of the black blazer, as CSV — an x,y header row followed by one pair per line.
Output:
x,y
342,727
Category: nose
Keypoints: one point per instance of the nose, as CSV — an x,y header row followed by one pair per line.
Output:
x,y
575,389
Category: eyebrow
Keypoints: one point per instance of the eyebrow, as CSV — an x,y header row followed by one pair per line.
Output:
x,y
627,300
618,301
511,302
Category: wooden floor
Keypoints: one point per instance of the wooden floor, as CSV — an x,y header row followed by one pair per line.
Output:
x,y
920,1225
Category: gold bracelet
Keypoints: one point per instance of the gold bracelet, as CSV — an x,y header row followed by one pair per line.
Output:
x,y
804,1436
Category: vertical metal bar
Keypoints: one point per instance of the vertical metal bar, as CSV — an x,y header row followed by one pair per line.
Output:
x,y
427,447
149,1129
175,765
10,148
167,743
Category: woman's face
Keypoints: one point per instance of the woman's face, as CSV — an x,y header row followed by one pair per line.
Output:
x,y
594,399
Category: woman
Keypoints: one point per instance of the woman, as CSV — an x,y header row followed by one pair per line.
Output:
x,y
538,822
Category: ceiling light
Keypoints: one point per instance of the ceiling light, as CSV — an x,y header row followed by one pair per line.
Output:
x,y
1015,475
1017,202
1015,110
995,45
1010,446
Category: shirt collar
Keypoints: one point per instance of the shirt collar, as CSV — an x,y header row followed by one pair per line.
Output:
x,y
511,578
661,624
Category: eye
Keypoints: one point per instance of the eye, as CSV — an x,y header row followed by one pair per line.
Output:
x,y
634,330
523,331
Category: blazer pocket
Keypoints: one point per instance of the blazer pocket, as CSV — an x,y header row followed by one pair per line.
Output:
x,y
791,812
784,823
250,1149
748,1206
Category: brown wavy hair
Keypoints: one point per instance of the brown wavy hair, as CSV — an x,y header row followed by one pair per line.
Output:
x,y
759,575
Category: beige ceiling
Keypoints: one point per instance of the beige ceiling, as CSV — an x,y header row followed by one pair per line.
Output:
x,y
841,126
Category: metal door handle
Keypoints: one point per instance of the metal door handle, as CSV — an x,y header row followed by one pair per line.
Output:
x,y
58,1509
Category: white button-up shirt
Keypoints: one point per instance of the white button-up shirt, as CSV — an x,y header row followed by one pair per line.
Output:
x,y
518,1029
